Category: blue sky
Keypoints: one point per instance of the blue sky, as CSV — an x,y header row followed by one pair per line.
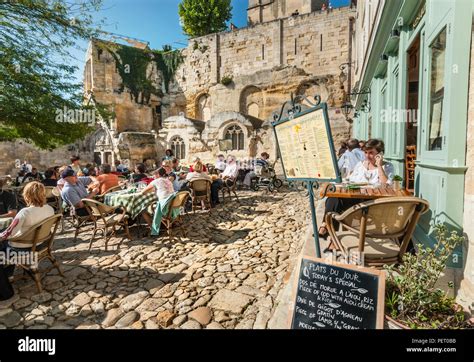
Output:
x,y
155,21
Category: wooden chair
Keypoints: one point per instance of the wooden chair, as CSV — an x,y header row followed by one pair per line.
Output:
x,y
230,187
106,218
39,241
380,229
53,199
112,189
177,203
200,192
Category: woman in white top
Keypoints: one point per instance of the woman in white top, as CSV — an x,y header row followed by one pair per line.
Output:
x,y
198,173
374,170
163,188
161,185
36,211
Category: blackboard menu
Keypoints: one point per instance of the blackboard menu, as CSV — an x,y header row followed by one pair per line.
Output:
x,y
338,296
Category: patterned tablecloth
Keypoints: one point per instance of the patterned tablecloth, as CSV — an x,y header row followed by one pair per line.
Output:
x,y
5,222
134,203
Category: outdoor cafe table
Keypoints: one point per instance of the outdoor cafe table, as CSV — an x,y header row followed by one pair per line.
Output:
x,y
368,193
134,203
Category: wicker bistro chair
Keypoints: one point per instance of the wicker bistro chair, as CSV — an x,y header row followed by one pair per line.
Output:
x,y
229,186
112,189
106,218
39,241
381,229
53,199
200,191
177,203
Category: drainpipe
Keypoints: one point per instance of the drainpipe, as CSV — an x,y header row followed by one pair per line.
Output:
x,y
349,56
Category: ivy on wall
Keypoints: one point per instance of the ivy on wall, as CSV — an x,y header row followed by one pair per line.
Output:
x,y
132,64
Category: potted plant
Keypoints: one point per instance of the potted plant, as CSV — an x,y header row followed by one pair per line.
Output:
x,y
397,182
412,301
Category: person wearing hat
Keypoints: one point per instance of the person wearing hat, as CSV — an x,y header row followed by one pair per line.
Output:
x,y
75,189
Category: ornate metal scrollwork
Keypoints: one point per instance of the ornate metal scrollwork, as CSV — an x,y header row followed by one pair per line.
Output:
x,y
295,106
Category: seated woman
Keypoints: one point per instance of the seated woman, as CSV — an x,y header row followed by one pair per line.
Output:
x,y
374,170
200,174
36,211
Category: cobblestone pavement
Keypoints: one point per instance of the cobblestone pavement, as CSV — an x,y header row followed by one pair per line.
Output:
x,y
227,273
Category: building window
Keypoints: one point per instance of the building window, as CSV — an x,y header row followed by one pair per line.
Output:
x,y
235,134
178,147
438,55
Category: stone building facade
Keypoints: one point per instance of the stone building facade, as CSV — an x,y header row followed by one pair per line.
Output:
x,y
227,87
415,58
263,64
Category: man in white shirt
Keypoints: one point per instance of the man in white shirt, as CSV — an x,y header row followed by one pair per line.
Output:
x,y
351,157
231,170
220,163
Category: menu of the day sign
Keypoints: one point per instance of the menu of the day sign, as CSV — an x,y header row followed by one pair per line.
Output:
x,y
338,296
306,146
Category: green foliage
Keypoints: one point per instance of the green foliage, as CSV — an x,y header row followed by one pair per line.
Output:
x,y
36,80
132,64
411,296
226,80
168,61
202,17
397,178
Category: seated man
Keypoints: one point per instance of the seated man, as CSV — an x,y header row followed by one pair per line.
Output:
x,y
220,163
140,173
8,204
107,179
75,189
231,171
119,167
34,175
175,165
197,159
261,169
50,178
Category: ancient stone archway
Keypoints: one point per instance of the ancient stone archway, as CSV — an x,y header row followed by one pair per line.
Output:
x,y
251,101
203,107
103,147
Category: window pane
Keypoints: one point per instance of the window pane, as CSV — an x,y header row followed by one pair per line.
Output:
x,y
438,52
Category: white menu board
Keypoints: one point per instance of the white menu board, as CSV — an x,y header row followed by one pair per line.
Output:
x,y
306,147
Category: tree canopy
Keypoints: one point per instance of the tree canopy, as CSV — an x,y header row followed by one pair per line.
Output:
x,y
36,79
202,17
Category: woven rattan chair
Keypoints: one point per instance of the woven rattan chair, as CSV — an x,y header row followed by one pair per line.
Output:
x,y
106,218
230,187
380,229
39,242
200,192
177,203
112,189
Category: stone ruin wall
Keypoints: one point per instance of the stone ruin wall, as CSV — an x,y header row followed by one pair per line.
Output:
x,y
265,69
266,62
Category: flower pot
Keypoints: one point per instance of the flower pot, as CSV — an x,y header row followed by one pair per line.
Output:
x,y
396,185
391,323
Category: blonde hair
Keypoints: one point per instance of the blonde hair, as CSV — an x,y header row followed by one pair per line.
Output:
x,y
198,167
167,163
34,194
